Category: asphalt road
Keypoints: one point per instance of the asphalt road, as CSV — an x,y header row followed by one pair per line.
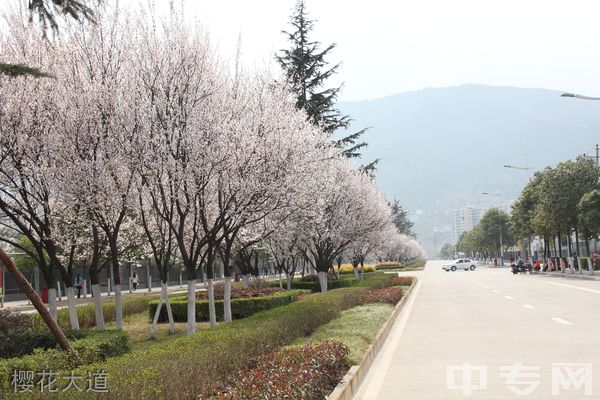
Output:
x,y
489,334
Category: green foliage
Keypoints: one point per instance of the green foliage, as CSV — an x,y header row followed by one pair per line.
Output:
x,y
305,373
306,70
211,356
24,261
96,347
87,313
20,70
356,328
486,234
13,328
47,10
401,220
28,341
240,308
447,251
589,213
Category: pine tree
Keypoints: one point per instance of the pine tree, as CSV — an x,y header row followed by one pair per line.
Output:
x,y
401,220
307,70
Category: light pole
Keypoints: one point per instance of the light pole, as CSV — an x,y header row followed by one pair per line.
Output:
x,y
525,168
497,195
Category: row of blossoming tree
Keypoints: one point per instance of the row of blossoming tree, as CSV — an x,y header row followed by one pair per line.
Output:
x,y
142,142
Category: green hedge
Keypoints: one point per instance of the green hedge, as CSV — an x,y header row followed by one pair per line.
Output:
x,y
97,347
240,308
30,340
185,366
87,313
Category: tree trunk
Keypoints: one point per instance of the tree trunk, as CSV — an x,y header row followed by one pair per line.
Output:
x,y
73,320
211,303
323,280
289,281
154,325
191,307
362,270
164,297
114,251
245,281
52,303
118,308
39,306
356,271
96,293
227,300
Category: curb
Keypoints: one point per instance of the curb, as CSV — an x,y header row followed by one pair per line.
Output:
x,y
350,383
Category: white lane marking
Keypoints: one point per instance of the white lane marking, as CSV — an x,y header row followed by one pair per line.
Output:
x,y
528,306
496,291
573,287
381,368
509,297
561,321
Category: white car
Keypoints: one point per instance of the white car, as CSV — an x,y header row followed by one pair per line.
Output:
x,y
461,263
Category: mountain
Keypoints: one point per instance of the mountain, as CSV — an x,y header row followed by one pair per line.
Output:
x,y
440,148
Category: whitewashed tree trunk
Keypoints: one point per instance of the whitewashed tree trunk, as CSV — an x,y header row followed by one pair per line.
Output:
x,y
227,300
280,281
211,304
169,311
58,288
73,320
118,308
245,281
52,303
356,272
98,305
289,281
323,281
154,325
191,307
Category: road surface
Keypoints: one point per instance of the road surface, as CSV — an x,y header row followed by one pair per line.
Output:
x,y
489,334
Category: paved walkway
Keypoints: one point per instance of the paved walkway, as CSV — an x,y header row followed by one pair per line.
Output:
x,y
489,334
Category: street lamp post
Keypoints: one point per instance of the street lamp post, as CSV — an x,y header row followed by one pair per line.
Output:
x,y
497,195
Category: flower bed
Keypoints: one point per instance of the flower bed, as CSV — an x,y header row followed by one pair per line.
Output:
x,y
391,295
307,372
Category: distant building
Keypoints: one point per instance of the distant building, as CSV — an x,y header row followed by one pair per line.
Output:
x,y
464,220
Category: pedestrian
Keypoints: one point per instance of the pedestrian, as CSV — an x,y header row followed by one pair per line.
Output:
x,y
134,281
79,285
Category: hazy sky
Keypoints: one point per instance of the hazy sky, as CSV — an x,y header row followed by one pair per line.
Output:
x,y
393,46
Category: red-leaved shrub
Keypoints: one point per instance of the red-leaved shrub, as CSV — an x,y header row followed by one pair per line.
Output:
x,y
401,281
306,372
390,295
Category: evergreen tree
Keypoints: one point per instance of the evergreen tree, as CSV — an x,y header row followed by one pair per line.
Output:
x,y
307,70
400,219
